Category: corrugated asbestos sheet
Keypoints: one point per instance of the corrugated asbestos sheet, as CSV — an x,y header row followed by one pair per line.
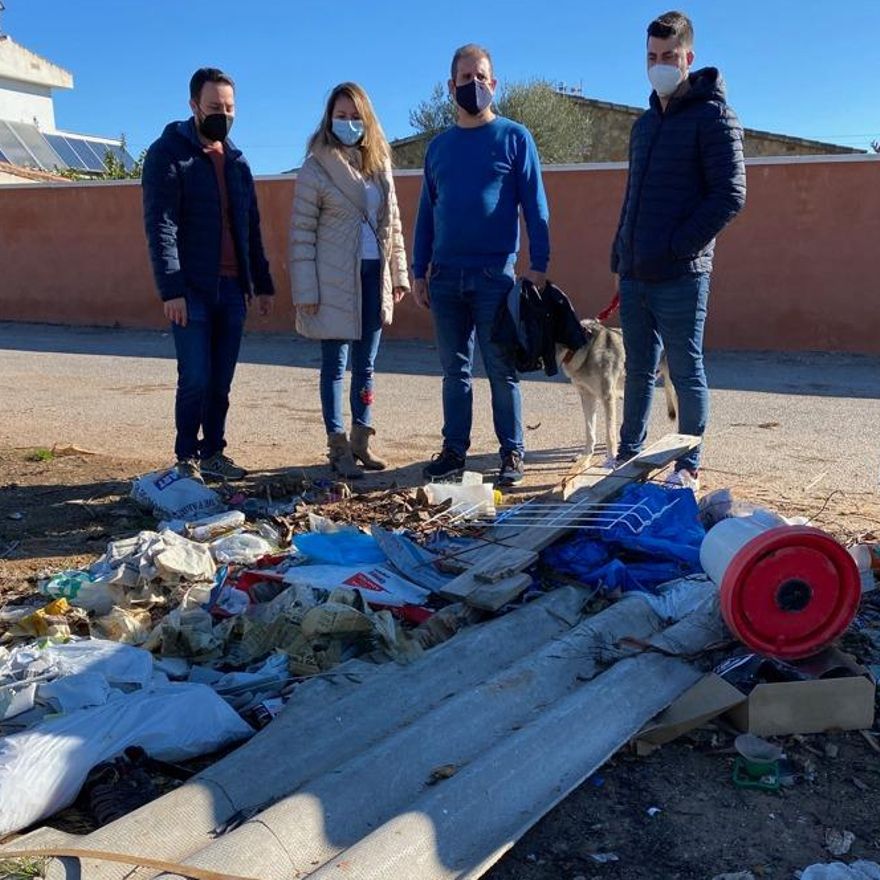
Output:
x,y
421,772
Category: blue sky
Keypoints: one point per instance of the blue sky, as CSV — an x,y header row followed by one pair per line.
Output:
x,y
799,67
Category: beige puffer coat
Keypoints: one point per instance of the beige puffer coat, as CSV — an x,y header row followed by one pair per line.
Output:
x,y
325,243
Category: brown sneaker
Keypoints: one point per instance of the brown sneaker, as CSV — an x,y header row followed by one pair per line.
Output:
x,y
222,467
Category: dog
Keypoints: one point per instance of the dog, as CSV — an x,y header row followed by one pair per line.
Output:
x,y
597,371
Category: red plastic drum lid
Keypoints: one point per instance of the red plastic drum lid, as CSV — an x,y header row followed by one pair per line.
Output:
x,y
790,592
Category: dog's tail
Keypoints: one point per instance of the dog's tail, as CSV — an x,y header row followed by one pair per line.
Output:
x,y
668,389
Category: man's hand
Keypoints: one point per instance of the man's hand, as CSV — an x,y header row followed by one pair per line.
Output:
x,y
308,309
539,279
399,293
421,294
265,305
175,310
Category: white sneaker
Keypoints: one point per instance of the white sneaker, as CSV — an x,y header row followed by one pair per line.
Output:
x,y
683,479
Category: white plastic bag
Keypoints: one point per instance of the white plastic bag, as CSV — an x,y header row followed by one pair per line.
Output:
x,y
43,769
241,548
172,496
181,559
119,664
72,692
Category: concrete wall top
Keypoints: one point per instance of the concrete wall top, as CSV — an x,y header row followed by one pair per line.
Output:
x,y
21,64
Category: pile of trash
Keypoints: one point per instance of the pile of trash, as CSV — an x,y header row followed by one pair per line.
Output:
x,y
188,638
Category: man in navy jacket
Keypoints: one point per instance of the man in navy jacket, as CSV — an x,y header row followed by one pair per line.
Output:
x,y
686,182
203,232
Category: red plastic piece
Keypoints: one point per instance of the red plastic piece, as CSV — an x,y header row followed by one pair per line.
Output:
x,y
790,592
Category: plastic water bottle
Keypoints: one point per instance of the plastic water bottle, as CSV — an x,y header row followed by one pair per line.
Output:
x,y
470,498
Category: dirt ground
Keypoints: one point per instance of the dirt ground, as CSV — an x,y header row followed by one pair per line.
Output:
x,y
59,510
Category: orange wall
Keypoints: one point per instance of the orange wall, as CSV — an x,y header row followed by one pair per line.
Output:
x,y
796,271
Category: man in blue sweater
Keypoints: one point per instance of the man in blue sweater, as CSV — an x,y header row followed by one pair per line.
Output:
x,y
203,233
687,181
478,174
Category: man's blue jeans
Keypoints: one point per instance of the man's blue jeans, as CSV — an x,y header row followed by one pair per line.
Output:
x,y
334,357
207,352
668,315
464,303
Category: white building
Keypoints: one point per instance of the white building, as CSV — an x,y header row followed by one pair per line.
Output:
x,y
29,138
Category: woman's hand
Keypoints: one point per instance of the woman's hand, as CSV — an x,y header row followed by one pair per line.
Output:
x,y
399,293
308,309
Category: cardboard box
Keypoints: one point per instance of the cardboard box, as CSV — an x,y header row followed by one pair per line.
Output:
x,y
710,697
816,706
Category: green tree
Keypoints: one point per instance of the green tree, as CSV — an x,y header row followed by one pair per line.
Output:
x,y
560,126
435,114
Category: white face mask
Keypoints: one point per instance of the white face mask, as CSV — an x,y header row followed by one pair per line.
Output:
x,y
665,78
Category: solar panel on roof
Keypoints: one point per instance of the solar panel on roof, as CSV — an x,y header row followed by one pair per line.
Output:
x,y
14,149
66,152
100,148
37,145
121,155
92,160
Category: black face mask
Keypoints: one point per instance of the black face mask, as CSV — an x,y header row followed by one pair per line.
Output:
x,y
473,97
215,126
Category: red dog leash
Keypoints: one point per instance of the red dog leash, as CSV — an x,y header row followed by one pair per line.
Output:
x,y
602,317
609,310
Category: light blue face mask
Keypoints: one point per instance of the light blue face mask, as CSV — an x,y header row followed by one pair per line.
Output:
x,y
349,131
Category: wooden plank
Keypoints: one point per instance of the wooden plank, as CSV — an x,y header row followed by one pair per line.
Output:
x,y
498,555
491,597
581,473
497,561
657,456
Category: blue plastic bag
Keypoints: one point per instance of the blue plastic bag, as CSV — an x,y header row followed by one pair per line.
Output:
x,y
345,547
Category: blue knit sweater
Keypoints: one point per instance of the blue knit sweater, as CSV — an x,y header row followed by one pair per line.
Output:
x,y
476,180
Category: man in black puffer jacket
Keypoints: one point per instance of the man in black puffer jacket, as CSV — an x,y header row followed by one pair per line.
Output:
x,y
686,182
203,233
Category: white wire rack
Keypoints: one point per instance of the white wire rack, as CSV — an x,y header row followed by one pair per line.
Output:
x,y
536,514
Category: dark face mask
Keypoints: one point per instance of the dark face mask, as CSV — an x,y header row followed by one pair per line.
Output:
x,y
473,97
215,126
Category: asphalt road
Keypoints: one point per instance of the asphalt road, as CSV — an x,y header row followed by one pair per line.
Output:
x,y
787,421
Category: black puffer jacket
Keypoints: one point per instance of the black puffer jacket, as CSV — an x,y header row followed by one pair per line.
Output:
x,y
530,323
182,217
687,181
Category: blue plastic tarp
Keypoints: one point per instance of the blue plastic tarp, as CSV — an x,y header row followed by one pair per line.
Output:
x,y
621,558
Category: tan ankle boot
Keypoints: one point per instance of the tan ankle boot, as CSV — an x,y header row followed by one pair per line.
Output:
x,y
341,460
360,448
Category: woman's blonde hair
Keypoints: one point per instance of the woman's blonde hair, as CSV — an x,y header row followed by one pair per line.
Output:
x,y
374,149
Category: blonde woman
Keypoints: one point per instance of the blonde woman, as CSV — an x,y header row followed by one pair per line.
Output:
x,y
347,264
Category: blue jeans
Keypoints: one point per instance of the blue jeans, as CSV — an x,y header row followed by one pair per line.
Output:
x,y
334,358
666,315
464,303
207,352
